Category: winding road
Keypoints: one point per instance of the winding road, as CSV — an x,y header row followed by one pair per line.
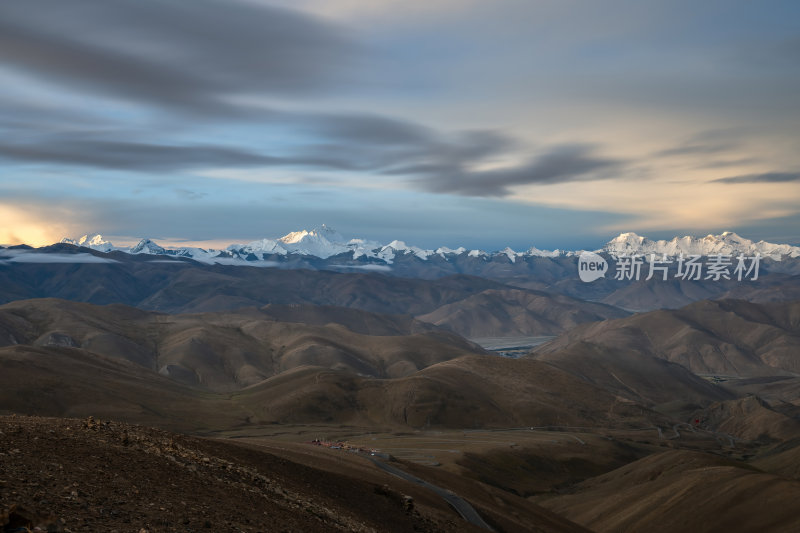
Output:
x,y
461,506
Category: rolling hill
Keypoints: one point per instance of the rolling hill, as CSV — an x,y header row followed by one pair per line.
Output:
x,y
467,392
682,491
227,351
514,312
224,369
636,376
725,337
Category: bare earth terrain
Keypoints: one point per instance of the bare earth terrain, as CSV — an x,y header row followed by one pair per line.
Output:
x,y
303,417
86,475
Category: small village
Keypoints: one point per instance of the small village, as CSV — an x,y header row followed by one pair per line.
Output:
x,y
344,445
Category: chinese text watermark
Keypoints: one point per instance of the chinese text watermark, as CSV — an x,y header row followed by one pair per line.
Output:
x,y
592,266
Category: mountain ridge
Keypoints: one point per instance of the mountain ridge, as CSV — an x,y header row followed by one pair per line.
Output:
x,y
324,242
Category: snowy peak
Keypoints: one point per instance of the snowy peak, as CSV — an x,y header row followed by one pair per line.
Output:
x,y
531,252
294,237
511,254
322,233
264,246
95,241
535,252
727,243
322,242
401,247
146,246
627,243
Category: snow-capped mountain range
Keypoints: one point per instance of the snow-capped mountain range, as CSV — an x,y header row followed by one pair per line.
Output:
x,y
727,243
324,243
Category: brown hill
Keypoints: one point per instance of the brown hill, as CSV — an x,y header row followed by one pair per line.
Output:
x,y
773,285
725,337
783,460
186,287
77,359
748,418
228,351
659,294
781,392
531,470
468,392
636,376
474,391
355,320
683,491
59,381
777,287
514,312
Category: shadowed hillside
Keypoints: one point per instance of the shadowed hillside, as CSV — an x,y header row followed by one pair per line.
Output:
x,y
726,337
228,351
468,392
634,375
682,491
514,312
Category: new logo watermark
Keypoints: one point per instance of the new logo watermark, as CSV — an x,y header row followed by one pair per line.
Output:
x,y
592,266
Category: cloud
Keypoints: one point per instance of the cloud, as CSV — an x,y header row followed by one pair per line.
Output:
x,y
767,177
122,155
560,165
17,256
239,262
190,195
696,149
423,158
369,129
731,162
191,57
376,268
334,142
706,143
395,147
370,146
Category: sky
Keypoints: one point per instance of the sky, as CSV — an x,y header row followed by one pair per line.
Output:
x,y
547,123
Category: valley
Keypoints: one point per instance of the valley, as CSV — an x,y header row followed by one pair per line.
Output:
x,y
489,404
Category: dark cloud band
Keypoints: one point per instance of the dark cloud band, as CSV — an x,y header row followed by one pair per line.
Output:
x,y
185,56
767,177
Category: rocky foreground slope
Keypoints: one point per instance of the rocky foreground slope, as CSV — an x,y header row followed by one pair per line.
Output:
x,y
89,475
